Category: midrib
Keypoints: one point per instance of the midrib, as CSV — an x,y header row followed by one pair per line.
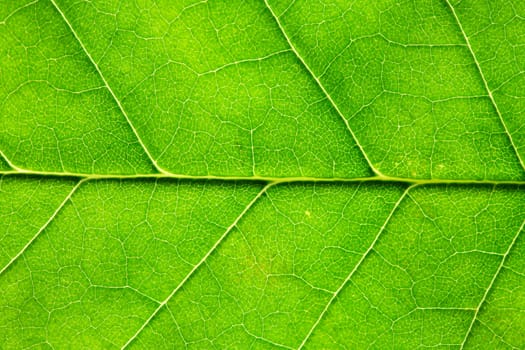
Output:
x,y
267,179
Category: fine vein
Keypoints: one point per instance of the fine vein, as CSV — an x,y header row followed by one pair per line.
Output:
x,y
43,227
485,83
117,101
363,257
321,86
196,267
491,284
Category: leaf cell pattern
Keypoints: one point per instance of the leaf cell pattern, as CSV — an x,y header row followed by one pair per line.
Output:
x,y
262,174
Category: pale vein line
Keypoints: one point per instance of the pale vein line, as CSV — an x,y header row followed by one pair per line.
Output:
x,y
6,18
485,83
363,257
469,331
246,60
321,86
192,271
274,179
11,165
139,139
43,227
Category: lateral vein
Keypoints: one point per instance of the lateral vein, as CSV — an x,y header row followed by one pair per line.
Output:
x,y
9,163
363,257
321,86
491,284
117,101
485,83
43,227
196,267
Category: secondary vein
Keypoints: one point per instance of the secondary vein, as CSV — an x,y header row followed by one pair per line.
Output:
x,y
485,83
491,284
196,267
321,86
9,163
117,101
43,227
363,257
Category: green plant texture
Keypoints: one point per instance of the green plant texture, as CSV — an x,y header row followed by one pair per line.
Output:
x,y
260,174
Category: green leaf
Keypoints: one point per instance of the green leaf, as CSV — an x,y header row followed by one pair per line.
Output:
x,y
262,174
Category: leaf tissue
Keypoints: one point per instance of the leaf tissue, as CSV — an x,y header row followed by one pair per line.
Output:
x,y
260,174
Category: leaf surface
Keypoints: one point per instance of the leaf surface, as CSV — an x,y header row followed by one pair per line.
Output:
x,y
262,174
